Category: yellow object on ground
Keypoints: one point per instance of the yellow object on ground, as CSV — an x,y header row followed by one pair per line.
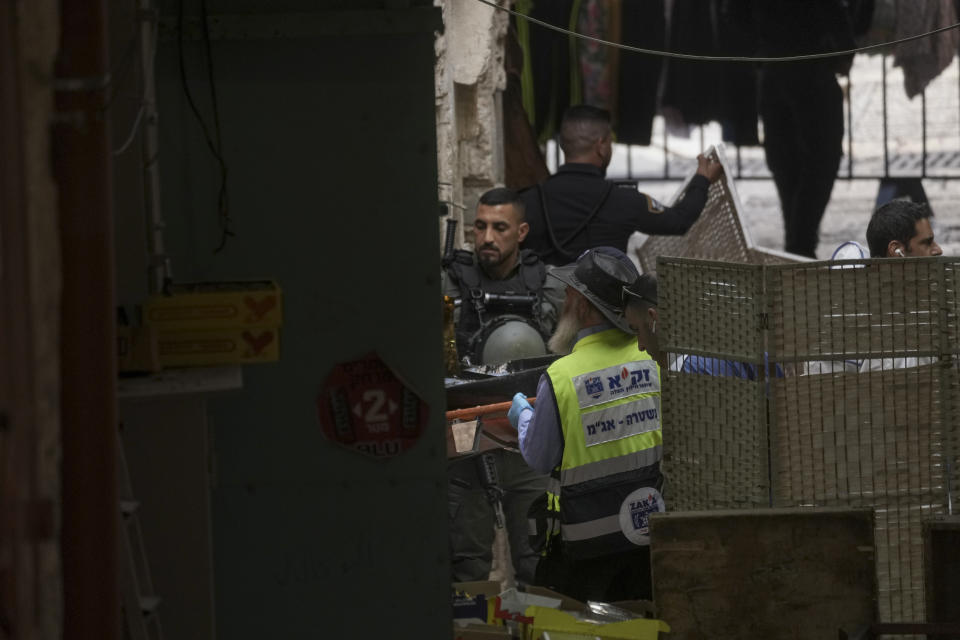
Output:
x,y
556,621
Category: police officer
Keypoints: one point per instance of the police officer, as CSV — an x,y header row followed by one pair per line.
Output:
x,y
596,428
578,208
503,308
503,315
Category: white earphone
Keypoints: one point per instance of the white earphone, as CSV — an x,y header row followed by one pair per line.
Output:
x,y
899,252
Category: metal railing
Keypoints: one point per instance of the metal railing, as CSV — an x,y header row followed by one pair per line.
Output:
x,y
872,150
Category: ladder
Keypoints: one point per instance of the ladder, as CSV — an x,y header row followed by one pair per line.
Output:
x,y
138,599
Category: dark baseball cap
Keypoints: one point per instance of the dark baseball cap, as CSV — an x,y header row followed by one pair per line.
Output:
x,y
643,288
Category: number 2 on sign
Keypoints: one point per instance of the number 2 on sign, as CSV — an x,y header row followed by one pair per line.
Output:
x,y
376,398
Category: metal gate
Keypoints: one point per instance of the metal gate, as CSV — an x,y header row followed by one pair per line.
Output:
x,y
887,135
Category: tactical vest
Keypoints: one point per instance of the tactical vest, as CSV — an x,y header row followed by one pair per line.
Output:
x,y
609,481
474,283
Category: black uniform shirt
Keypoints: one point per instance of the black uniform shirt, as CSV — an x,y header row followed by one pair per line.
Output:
x,y
575,191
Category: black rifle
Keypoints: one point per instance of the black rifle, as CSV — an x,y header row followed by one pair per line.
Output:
x,y
487,469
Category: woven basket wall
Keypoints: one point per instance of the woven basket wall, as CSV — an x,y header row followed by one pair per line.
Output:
x,y
880,431
718,234
715,443
716,456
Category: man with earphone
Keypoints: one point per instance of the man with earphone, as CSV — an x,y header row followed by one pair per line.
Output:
x,y
901,229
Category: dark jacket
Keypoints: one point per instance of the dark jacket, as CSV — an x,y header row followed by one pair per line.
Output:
x,y
585,210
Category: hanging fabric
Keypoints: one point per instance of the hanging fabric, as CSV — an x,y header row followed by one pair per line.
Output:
x,y
924,59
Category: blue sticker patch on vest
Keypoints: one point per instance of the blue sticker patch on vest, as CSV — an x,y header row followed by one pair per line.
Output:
x,y
617,382
621,421
635,514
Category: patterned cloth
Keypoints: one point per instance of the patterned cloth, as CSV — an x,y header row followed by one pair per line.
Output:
x,y
596,70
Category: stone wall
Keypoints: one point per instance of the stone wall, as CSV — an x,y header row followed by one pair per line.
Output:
x,y
469,82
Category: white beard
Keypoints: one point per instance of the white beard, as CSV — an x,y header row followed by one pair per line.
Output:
x,y
563,338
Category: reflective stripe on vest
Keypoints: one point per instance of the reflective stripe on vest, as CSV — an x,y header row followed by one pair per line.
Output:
x,y
592,529
608,400
611,466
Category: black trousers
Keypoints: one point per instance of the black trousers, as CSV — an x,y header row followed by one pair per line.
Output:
x,y
802,109
472,517
619,576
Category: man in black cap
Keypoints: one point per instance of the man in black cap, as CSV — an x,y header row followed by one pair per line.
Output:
x,y
578,208
596,430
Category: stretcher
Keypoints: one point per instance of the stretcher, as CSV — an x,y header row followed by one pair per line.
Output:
x,y
473,430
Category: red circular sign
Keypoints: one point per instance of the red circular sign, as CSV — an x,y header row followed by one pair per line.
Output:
x,y
364,406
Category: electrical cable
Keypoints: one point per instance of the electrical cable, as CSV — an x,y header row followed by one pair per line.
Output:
x,y
223,197
135,129
215,147
690,56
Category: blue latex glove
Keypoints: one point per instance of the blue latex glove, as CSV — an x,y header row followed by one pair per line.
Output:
x,y
519,404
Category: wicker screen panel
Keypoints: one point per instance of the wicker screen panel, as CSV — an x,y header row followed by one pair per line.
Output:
x,y
762,255
859,439
859,408
715,442
718,234
950,320
715,426
862,309
880,430
711,308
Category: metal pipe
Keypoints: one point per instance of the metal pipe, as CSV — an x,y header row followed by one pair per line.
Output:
x,y
472,413
159,262
88,406
883,86
666,153
849,125
923,134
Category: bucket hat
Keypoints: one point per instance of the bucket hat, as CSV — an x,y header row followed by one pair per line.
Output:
x,y
600,274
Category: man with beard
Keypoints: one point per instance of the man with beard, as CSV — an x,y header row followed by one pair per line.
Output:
x,y
577,208
500,281
501,289
596,430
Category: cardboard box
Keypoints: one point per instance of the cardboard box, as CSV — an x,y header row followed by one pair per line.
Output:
x,y
764,573
216,305
218,346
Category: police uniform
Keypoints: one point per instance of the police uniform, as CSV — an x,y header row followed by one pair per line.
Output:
x,y
472,517
465,279
577,209
606,396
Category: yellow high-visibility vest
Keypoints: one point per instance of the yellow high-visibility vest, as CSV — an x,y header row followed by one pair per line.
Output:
x,y
608,400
